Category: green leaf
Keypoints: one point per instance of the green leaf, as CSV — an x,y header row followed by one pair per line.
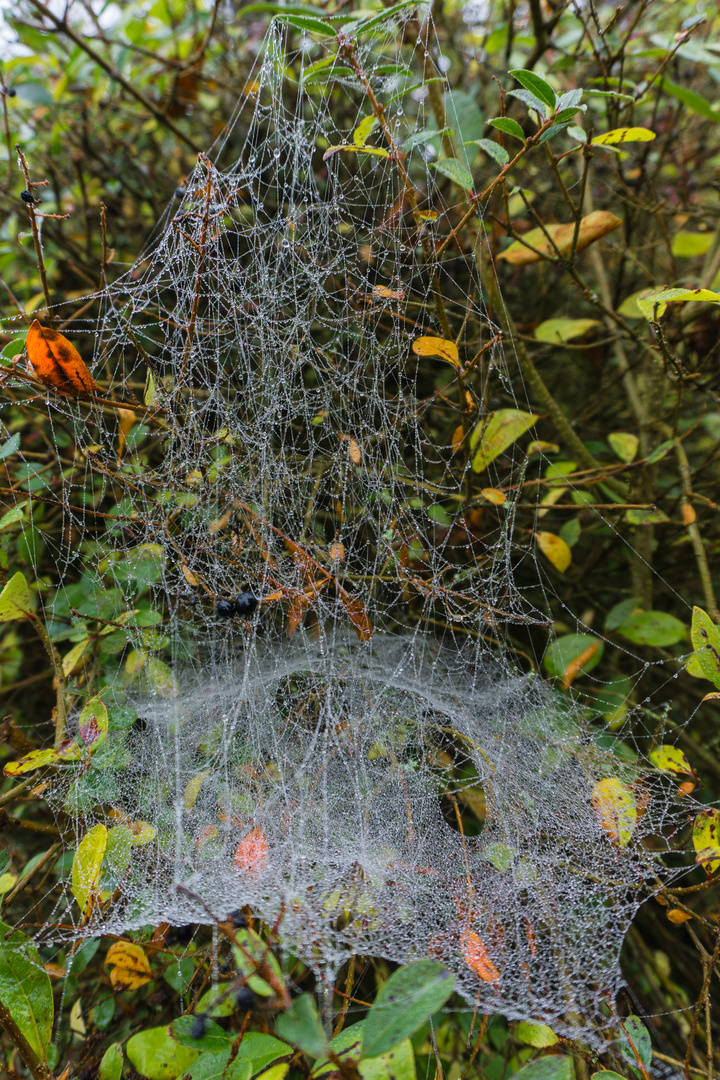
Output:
x,y
687,244
15,599
301,1026
670,759
660,298
537,1035
567,649
422,137
219,1000
530,100
14,516
705,638
112,1063
653,628
455,170
158,1057
86,865
497,433
537,86
25,990
398,1064
552,1067
281,9
660,451
646,517
364,129
693,101
261,1050
499,855
607,1074
10,446
308,25
621,612
556,331
640,1037
93,723
495,150
624,444
213,1039
217,1067
508,126
179,975
250,952
409,997
378,20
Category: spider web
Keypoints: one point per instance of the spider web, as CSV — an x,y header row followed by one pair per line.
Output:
x,y
284,479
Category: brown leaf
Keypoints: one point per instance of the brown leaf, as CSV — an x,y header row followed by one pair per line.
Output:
x,y
126,419
130,966
592,227
57,363
358,616
296,612
337,552
688,513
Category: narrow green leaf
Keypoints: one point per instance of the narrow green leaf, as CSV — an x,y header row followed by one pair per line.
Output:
x,y
301,1026
112,1063
705,638
537,86
409,997
508,126
692,100
456,171
495,150
309,25
10,446
378,20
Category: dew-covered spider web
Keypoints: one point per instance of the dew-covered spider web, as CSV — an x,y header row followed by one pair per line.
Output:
x,y
314,588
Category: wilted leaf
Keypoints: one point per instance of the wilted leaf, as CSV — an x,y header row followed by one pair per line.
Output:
x,y
497,433
383,293
624,135
476,957
555,549
670,759
252,852
494,496
625,444
130,967
616,809
57,363
337,552
358,616
434,346
86,865
706,840
592,228
15,599
296,612
556,331
126,419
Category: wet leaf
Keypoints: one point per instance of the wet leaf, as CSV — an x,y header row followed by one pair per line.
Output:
x,y
537,1035
434,346
492,436
126,420
130,969
670,759
383,293
705,638
337,552
555,549
537,86
57,363
494,496
404,1003
551,1067
25,989
659,298
358,616
557,331
455,170
158,1057
15,599
616,809
111,1063
251,853
397,1064
623,135
93,723
217,1066
579,663
364,130
192,790
706,840
641,1049
592,228
476,957
566,652
624,444
300,1025
354,451
86,866
213,1037
375,150
653,628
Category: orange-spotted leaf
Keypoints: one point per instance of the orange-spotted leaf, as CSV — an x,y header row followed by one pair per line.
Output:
x,y
592,228
435,346
706,840
252,852
555,549
57,363
616,810
476,957
130,966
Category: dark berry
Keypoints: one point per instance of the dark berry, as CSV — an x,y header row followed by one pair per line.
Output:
x,y
12,93
226,609
244,998
180,193
27,197
246,603
199,1026
183,934
237,919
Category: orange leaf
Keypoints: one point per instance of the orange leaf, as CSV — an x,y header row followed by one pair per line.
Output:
x,y
252,852
688,513
476,957
592,227
57,363
296,612
384,293
435,346
358,616
494,496
355,451
574,668
457,438
130,966
337,552
675,915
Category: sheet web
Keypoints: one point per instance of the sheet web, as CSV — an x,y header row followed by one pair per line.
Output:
x,y
289,496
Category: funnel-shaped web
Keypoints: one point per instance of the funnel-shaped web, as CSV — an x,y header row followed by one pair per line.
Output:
x,y
311,757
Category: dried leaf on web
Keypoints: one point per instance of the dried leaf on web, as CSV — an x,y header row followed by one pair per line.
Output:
x,y
358,616
592,228
130,966
57,363
299,605
252,852
477,958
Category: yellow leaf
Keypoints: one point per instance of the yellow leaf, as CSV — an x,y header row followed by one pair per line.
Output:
x,y
126,419
383,293
616,810
496,433
624,135
556,331
540,447
15,599
142,833
592,228
192,789
86,867
71,660
670,759
456,439
494,496
364,130
706,840
358,150
555,549
188,575
435,346
678,917
77,1024
130,966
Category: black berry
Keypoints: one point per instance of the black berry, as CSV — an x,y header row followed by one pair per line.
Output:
x,y
12,93
226,609
246,603
244,998
237,919
27,197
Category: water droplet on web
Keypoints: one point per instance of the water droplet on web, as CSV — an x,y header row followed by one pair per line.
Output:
x,y
276,154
